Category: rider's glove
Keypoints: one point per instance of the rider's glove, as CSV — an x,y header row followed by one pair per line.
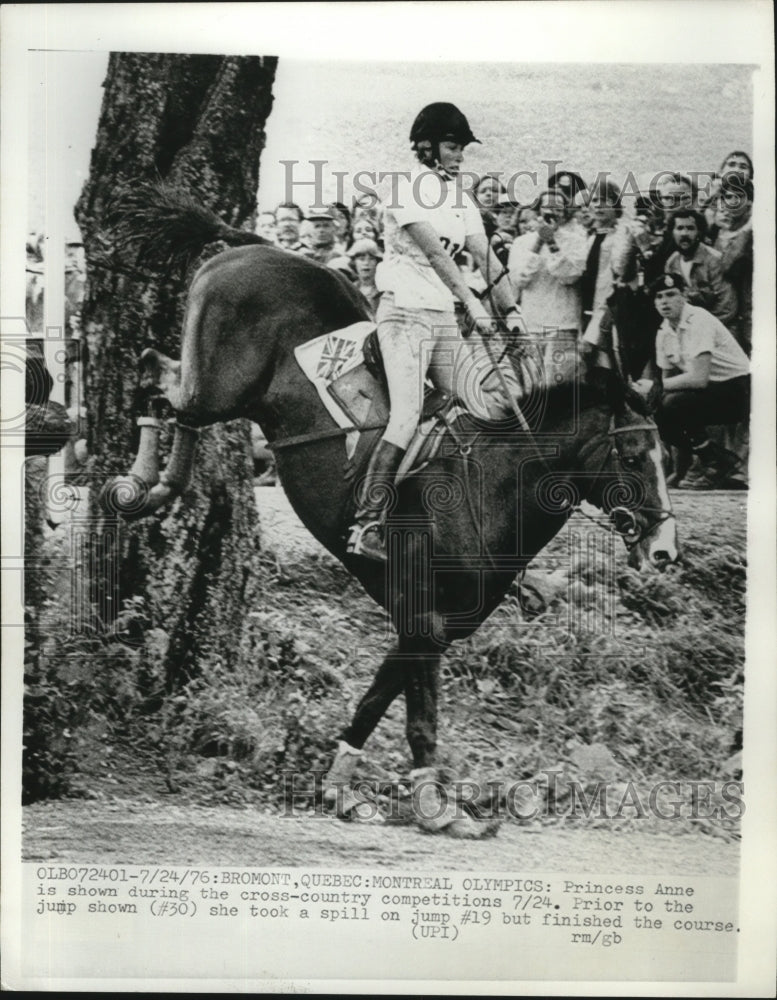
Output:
x,y
515,322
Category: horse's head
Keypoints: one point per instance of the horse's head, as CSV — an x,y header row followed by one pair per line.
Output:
x,y
624,461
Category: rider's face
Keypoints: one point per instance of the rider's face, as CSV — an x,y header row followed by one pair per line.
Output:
x,y
451,155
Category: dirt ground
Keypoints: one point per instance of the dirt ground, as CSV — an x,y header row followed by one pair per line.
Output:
x,y
159,832
134,818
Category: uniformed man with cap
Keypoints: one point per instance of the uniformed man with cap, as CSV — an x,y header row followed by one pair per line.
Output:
x,y
706,379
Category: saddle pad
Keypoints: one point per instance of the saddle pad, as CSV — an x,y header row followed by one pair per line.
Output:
x,y
361,397
324,359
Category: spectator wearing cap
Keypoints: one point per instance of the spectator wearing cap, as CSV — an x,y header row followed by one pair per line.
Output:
x,y
734,242
502,227
546,266
365,254
700,267
288,220
322,236
706,380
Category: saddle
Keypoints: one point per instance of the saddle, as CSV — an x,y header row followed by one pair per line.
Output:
x,y
347,369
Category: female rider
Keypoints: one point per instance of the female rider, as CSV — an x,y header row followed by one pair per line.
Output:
x,y
428,219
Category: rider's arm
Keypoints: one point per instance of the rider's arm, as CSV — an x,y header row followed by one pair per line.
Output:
x,y
491,268
426,238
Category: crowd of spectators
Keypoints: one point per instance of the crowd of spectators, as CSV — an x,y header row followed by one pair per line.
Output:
x,y
584,260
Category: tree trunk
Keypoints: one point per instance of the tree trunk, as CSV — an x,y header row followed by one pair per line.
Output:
x,y
196,122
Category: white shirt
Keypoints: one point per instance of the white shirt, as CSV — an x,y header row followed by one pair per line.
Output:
x,y
422,195
547,281
699,332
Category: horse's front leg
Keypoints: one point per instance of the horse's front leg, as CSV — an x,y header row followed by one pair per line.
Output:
x,y
436,808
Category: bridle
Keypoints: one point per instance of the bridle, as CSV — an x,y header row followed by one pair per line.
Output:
x,y
627,527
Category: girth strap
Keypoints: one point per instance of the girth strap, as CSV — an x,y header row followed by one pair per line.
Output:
x,y
314,436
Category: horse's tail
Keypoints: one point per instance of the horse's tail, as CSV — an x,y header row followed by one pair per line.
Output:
x,y
168,228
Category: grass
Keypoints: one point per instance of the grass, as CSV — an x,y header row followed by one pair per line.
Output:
x,y
653,693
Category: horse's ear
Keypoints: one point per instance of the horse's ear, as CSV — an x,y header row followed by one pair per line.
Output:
x,y
609,385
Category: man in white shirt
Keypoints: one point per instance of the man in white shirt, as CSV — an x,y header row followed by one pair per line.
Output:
x,y
706,378
546,266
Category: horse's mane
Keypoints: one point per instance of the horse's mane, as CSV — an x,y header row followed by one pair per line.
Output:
x,y
597,387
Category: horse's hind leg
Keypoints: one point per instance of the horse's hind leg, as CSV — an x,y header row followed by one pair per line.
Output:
x,y
389,682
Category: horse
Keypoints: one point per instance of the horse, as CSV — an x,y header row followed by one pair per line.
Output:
x,y
459,531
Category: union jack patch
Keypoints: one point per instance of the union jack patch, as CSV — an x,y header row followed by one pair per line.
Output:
x,y
335,354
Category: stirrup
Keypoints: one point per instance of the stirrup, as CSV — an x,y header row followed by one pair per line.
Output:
x,y
367,540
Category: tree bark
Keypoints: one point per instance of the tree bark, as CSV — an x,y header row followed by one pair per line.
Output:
x,y
196,122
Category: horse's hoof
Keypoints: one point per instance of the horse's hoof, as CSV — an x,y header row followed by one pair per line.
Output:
x,y
467,828
351,808
366,812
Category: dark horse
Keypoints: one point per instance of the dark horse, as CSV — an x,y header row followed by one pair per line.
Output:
x,y
459,531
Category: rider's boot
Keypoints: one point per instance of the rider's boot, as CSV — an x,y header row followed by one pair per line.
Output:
x,y
368,532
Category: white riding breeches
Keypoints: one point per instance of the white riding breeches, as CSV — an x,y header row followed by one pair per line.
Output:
x,y
415,342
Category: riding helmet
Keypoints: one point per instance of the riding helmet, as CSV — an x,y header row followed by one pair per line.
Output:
x,y
440,122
